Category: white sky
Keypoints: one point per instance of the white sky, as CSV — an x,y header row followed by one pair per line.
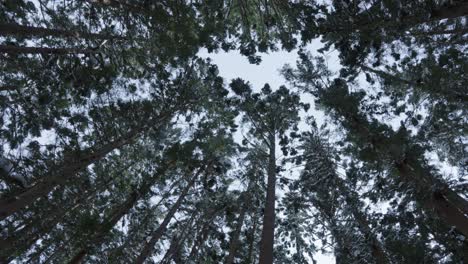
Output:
x,y
233,65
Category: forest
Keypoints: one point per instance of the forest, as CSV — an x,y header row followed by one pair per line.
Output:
x,y
120,143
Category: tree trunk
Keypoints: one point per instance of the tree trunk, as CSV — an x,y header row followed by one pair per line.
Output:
x,y
234,244
431,193
157,234
446,204
376,247
106,226
200,238
458,9
69,168
177,241
250,254
268,231
114,253
15,29
44,50
23,239
65,171
117,214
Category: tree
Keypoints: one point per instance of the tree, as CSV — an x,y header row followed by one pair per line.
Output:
x,y
380,147
270,115
320,170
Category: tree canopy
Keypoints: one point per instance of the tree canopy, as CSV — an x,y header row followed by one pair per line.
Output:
x,y
119,143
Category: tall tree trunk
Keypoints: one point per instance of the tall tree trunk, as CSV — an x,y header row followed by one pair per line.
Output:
x,y
123,5
114,254
430,192
436,197
268,231
204,232
376,247
157,234
44,50
250,253
457,9
341,247
25,238
68,169
177,241
234,243
21,240
120,211
454,97
200,238
106,226
15,29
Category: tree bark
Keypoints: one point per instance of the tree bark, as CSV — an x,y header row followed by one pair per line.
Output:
x,y
25,238
44,50
15,29
117,214
446,204
458,9
234,243
177,241
455,10
200,238
106,226
431,193
376,247
158,233
252,240
69,168
66,170
268,231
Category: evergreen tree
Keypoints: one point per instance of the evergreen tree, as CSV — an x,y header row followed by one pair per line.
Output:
x,y
270,115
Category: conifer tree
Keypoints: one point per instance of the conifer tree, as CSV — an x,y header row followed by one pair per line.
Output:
x,y
270,114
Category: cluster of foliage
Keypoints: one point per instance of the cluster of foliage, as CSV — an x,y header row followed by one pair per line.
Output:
x,y
118,144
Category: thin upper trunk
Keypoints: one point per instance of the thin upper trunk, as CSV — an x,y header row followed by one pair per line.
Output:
x,y
65,171
457,9
44,50
445,203
403,23
341,247
157,234
234,244
24,239
376,247
105,227
454,96
68,169
120,211
21,240
268,231
250,253
202,235
431,193
177,241
15,29
114,254
123,5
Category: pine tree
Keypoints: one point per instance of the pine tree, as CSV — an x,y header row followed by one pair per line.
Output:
x,y
270,115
